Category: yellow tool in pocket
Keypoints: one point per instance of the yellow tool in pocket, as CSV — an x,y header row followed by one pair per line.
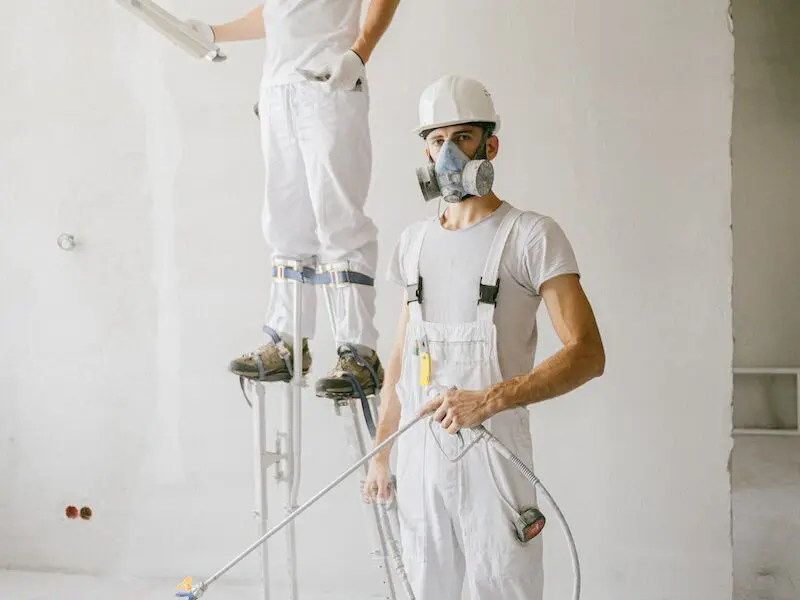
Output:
x,y
425,369
425,366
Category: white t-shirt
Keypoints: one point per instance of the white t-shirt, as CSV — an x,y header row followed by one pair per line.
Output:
x,y
306,34
451,264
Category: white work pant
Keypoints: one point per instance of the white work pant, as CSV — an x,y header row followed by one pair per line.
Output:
x,y
457,519
318,156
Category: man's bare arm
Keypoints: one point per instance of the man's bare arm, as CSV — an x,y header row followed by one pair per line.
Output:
x,y
581,359
379,16
248,27
389,417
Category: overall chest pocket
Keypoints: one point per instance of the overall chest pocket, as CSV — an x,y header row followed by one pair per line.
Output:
x,y
468,364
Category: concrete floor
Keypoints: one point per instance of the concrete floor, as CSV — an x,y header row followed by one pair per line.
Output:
x,y
766,531
26,585
766,518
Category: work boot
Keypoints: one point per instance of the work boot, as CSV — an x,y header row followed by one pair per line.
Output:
x,y
269,362
352,370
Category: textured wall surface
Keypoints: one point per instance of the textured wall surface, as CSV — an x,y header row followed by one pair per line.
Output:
x,y
115,395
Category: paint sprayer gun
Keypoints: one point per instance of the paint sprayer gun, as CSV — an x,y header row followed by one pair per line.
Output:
x,y
531,521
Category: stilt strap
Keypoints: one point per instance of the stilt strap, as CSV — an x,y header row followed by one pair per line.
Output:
x,y
244,392
342,277
283,272
282,350
365,407
327,277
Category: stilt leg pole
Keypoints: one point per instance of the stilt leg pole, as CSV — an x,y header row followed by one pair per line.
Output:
x,y
358,449
263,461
292,419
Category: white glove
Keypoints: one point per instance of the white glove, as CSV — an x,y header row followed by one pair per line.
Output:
x,y
345,72
204,30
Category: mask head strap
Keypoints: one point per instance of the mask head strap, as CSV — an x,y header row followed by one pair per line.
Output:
x,y
488,131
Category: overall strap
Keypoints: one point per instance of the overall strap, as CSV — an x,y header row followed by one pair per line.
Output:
x,y
414,280
489,284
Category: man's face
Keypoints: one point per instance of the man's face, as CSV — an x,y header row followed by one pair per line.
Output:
x,y
466,137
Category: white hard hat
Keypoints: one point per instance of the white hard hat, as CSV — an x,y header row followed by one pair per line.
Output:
x,y
452,100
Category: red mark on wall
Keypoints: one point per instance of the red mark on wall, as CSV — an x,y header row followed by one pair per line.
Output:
x,y
84,513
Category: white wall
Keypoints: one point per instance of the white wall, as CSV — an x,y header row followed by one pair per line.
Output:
x,y
115,394
766,290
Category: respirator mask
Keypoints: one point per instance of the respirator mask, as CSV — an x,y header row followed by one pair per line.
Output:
x,y
454,176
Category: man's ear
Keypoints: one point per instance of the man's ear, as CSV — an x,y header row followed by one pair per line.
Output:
x,y
427,152
492,147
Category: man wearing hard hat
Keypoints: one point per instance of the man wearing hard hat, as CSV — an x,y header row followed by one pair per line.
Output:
x,y
474,279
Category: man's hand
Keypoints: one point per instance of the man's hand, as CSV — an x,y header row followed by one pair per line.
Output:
x,y
458,409
345,72
204,30
378,485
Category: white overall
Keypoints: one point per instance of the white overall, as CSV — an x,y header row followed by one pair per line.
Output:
x,y
457,519
318,155
317,151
